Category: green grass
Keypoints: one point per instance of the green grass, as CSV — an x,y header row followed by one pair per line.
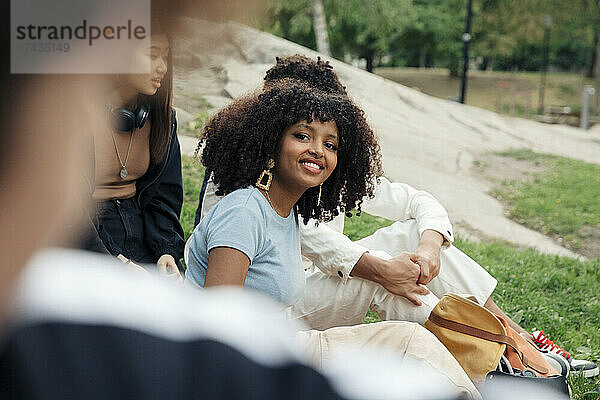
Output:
x,y
557,294
562,202
193,174
359,227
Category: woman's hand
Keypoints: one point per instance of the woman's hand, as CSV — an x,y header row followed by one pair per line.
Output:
x,y
427,256
397,275
131,265
167,267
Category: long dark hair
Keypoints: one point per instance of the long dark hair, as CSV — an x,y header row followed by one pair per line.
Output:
x,y
160,103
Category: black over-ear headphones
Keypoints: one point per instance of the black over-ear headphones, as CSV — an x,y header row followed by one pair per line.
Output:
x,y
125,120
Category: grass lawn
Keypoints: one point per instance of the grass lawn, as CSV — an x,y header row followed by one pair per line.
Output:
x,y
193,174
515,93
556,294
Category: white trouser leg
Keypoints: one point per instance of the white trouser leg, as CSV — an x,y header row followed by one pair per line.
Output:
x,y
327,302
402,339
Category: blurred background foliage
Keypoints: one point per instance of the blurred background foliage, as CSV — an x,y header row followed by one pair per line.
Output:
x,y
507,34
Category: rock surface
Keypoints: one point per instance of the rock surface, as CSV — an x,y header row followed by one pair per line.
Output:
x,y
427,142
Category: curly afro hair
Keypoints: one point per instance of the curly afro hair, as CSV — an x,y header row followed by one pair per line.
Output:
x,y
317,73
239,140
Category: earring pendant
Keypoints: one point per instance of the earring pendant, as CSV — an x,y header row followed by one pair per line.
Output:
x,y
266,174
260,182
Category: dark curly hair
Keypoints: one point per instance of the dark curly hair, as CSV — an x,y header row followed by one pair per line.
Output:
x,y
239,140
317,73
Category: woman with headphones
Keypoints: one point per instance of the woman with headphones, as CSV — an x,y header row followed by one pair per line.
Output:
x,y
137,167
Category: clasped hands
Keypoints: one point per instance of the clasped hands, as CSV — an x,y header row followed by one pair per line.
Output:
x,y
406,274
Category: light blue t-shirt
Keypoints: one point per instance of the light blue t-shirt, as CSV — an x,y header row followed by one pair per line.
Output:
x,y
244,220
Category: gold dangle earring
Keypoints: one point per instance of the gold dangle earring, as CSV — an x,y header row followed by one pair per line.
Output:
x,y
319,196
266,174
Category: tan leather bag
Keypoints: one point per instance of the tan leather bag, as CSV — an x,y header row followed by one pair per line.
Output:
x,y
523,355
477,338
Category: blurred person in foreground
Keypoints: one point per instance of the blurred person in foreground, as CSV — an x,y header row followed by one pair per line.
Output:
x,y
77,325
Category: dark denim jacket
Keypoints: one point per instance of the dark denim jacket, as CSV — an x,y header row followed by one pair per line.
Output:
x,y
160,196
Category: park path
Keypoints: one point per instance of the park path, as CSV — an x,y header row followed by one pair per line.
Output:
x,y
426,142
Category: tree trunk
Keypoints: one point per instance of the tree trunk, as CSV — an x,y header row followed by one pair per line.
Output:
x,y
320,28
597,73
454,66
369,59
422,57
591,68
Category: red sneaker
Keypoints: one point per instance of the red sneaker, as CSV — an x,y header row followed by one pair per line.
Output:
x,y
587,368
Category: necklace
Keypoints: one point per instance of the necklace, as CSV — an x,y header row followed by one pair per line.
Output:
x,y
268,197
270,202
123,173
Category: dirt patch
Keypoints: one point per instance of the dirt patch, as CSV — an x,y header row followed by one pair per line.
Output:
x,y
589,236
496,169
468,232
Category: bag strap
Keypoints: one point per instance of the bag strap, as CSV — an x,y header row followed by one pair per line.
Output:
x,y
483,334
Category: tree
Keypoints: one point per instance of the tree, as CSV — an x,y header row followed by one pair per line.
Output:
x,y
291,20
493,22
594,22
433,32
507,34
320,28
365,29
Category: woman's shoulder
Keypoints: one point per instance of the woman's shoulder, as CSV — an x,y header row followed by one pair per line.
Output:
x,y
240,208
248,198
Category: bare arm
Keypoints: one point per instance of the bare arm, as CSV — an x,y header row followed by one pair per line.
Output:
x,y
226,266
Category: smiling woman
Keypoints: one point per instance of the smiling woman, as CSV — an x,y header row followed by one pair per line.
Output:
x,y
288,150
239,141
307,157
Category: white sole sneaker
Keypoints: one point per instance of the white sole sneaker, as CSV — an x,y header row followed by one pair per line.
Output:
x,y
585,368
